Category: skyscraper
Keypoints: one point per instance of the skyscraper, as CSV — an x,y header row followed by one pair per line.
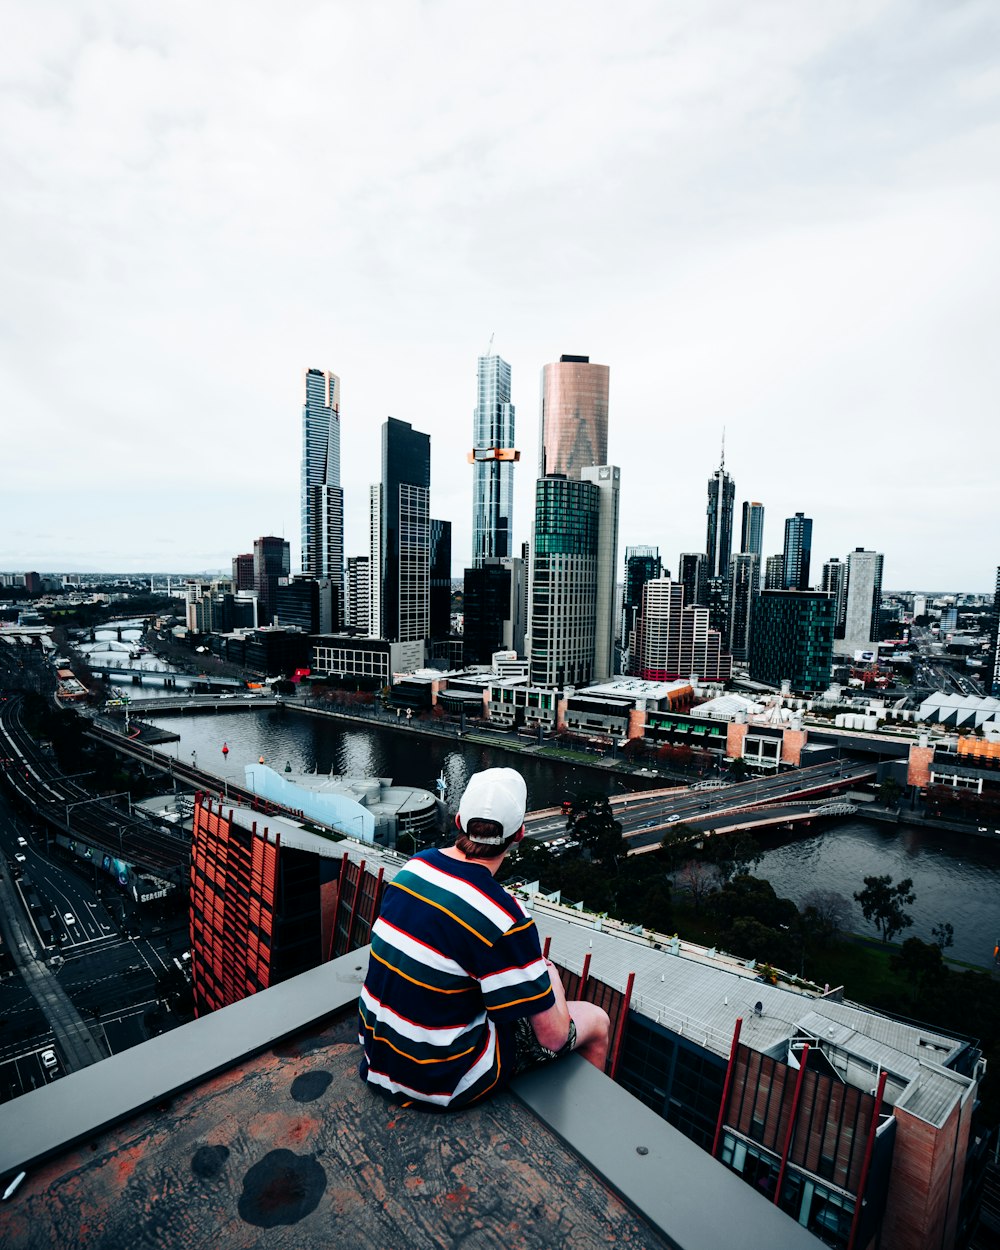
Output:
x,y
719,532
358,613
574,424
492,459
322,499
752,530
864,599
607,479
744,587
798,549
440,580
271,560
774,573
564,581
400,533
642,564
691,575
835,585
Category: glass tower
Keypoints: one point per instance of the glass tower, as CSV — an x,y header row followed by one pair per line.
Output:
x,y
792,639
564,567
492,459
719,532
401,533
574,432
322,499
798,549
752,534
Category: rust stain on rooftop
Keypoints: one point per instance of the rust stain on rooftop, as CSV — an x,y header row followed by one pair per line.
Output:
x,y
291,1150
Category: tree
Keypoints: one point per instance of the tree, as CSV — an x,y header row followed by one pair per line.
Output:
x,y
739,769
921,963
882,904
944,935
592,822
889,792
734,854
699,879
825,916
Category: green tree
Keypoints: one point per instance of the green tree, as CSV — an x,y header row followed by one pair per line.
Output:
x,y
733,854
882,904
889,792
592,822
739,770
944,935
921,964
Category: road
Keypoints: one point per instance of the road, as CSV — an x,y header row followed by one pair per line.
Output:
x,y
645,817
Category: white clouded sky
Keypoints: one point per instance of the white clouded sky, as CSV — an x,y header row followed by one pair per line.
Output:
x,y
780,218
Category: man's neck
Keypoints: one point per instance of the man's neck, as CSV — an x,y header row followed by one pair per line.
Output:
x,y
491,865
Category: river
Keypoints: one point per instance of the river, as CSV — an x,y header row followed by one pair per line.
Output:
x,y
955,877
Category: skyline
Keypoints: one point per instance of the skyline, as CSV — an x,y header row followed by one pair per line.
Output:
x,y
779,222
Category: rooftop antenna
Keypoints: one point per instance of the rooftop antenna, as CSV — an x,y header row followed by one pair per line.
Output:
x,y
489,350
722,461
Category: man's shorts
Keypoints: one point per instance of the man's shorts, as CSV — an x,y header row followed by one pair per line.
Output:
x,y
531,1052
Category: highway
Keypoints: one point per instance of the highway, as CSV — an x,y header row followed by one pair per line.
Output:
x,y
62,802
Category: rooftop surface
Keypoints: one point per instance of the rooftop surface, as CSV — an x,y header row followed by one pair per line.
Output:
x,y
250,1127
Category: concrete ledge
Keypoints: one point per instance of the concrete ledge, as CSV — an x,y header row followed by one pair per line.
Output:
x,y
47,1121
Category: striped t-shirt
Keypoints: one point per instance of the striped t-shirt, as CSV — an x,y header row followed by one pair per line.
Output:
x,y
455,961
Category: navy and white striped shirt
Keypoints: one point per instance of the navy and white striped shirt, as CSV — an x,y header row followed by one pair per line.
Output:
x,y
455,961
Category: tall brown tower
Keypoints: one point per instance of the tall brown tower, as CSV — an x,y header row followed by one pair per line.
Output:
x,y
574,432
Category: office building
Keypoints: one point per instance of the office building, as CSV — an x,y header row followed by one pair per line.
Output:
x,y
642,564
792,639
495,597
607,479
752,530
492,458
440,580
563,593
835,585
243,571
719,511
864,600
357,612
400,536
798,549
574,418
744,587
774,573
271,561
692,576
255,904
307,603
322,499
674,641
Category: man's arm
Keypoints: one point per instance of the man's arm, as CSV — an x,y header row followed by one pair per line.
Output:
x,y
552,1025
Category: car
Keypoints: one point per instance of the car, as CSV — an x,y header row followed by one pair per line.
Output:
x,y
49,1059
671,819
22,842
20,856
69,918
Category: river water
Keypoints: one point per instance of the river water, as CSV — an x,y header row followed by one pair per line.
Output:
x,y
955,877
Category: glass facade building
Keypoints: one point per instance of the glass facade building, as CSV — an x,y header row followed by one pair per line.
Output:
x,y
752,531
719,530
322,499
271,561
574,433
862,613
401,534
493,458
797,553
744,587
793,639
564,582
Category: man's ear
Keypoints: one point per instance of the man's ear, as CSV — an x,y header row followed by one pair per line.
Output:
x,y
458,823
520,834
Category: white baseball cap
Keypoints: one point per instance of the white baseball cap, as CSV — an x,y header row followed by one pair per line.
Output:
x,y
495,794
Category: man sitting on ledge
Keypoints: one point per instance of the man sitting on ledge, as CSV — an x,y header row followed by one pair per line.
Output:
x,y
458,997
